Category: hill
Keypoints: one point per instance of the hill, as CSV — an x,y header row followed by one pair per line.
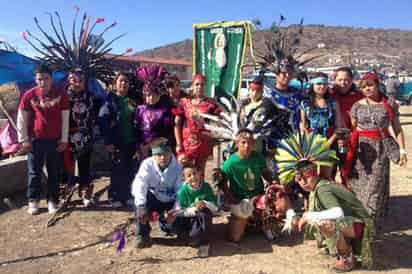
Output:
x,y
359,46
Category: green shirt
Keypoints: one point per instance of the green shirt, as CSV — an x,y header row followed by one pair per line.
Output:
x,y
187,196
245,175
125,120
327,195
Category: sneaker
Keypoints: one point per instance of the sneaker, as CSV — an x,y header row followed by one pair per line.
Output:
x,y
143,241
87,202
203,251
33,208
117,204
52,207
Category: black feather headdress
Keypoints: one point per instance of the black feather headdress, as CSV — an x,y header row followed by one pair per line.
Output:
x,y
281,49
84,50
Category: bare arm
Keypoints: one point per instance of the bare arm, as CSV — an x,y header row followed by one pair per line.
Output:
x,y
338,124
354,122
303,122
178,132
400,137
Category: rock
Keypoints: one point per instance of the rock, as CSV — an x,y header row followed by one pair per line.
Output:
x,y
14,169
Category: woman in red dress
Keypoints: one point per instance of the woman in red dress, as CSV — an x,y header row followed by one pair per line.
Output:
x,y
193,142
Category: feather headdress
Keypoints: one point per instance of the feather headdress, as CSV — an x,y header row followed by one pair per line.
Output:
x,y
227,124
302,148
281,49
84,50
153,77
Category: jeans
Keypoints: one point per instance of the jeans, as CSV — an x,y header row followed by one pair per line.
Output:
x,y
43,151
154,205
124,169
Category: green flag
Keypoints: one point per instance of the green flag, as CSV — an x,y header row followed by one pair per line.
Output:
x,y
219,50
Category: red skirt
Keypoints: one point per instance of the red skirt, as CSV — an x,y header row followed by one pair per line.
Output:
x,y
197,145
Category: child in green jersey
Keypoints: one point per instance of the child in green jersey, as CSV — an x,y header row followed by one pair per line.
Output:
x,y
196,205
244,170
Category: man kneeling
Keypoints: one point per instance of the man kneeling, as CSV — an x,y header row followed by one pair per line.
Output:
x,y
338,215
155,189
244,170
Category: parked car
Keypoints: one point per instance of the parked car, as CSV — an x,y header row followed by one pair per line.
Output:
x,y
405,93
186,86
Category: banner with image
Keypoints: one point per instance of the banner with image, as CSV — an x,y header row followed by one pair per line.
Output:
x,y
218,53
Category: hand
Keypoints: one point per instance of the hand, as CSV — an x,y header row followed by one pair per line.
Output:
x,y
295,224
61,147
170,217
144,150
302,223
110,148
27,147
275,182
200,205
136,155
179,148
341,143
404,160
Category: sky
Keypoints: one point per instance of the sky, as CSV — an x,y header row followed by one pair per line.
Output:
x,y
151,24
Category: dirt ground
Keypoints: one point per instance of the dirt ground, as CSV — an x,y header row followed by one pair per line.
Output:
x,y
78,242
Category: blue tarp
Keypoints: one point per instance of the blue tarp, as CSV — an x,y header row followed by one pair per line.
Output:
x,y
15,67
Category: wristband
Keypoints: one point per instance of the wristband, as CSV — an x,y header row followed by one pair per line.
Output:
x,y
403,152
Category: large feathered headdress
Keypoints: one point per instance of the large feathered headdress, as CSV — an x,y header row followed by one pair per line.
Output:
x,y
299,150
281,49
84,50
227,124
153,77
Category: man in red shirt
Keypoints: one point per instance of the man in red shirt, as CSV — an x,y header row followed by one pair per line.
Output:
x,y
43,127
345,93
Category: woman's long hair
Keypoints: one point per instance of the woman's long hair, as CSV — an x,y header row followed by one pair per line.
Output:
x,y
135,87
312,95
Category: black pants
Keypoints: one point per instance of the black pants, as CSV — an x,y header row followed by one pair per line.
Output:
x,y
124,169
198,226
83,165
154,205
